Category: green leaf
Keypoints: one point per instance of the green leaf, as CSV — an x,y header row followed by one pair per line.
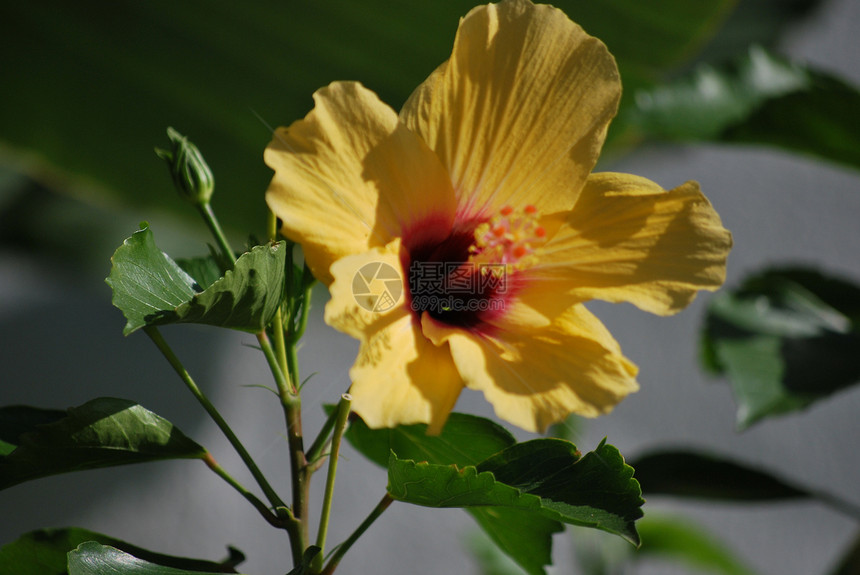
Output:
x,y
6,448
266,62
103,432
261,72
92,558
204,270
757,99
569,483
756,23
465,440
700,105
145,281
817,121
545,476
46,550
673,30
850,562
16,420
489,558
785,338
683,473
304,568
151,289
524,536
682,542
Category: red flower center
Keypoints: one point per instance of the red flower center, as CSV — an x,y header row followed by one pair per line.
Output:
x,y
467,276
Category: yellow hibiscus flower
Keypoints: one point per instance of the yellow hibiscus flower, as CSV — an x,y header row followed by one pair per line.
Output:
x,y
460,238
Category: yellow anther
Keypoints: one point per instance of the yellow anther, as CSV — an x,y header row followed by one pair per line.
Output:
x,y
509,238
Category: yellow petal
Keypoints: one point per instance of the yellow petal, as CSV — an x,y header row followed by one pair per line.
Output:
x,y
536,376
629,240
399,377
350,176
520,111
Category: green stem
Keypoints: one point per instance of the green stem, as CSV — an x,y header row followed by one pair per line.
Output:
x,y
283,364
286,389
253,499
297,330
837,504
316,450
340,425
293,364
299,473
302,324
271,225
280,345
278,320
177,366
205,209
345,546
292,405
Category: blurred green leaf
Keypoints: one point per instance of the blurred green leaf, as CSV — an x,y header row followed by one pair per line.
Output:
x,y
666,540
655,41
524,536
16,420
820,121
572,428
756,23
489,559
680,541
151,289
701,105
672,30
850,562
785,338
92,558
93,86
103,432
6,448
45,551
758,99
225,76
465,440
545,476
684,473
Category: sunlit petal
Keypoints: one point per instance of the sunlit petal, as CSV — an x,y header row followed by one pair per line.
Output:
x,y
481,188
629,240
350,176
399,377
519,112
537,377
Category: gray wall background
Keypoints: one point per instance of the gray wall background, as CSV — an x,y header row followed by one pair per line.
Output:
x,y
62,345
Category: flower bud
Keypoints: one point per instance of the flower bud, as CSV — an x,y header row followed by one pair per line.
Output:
x,y
191,175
